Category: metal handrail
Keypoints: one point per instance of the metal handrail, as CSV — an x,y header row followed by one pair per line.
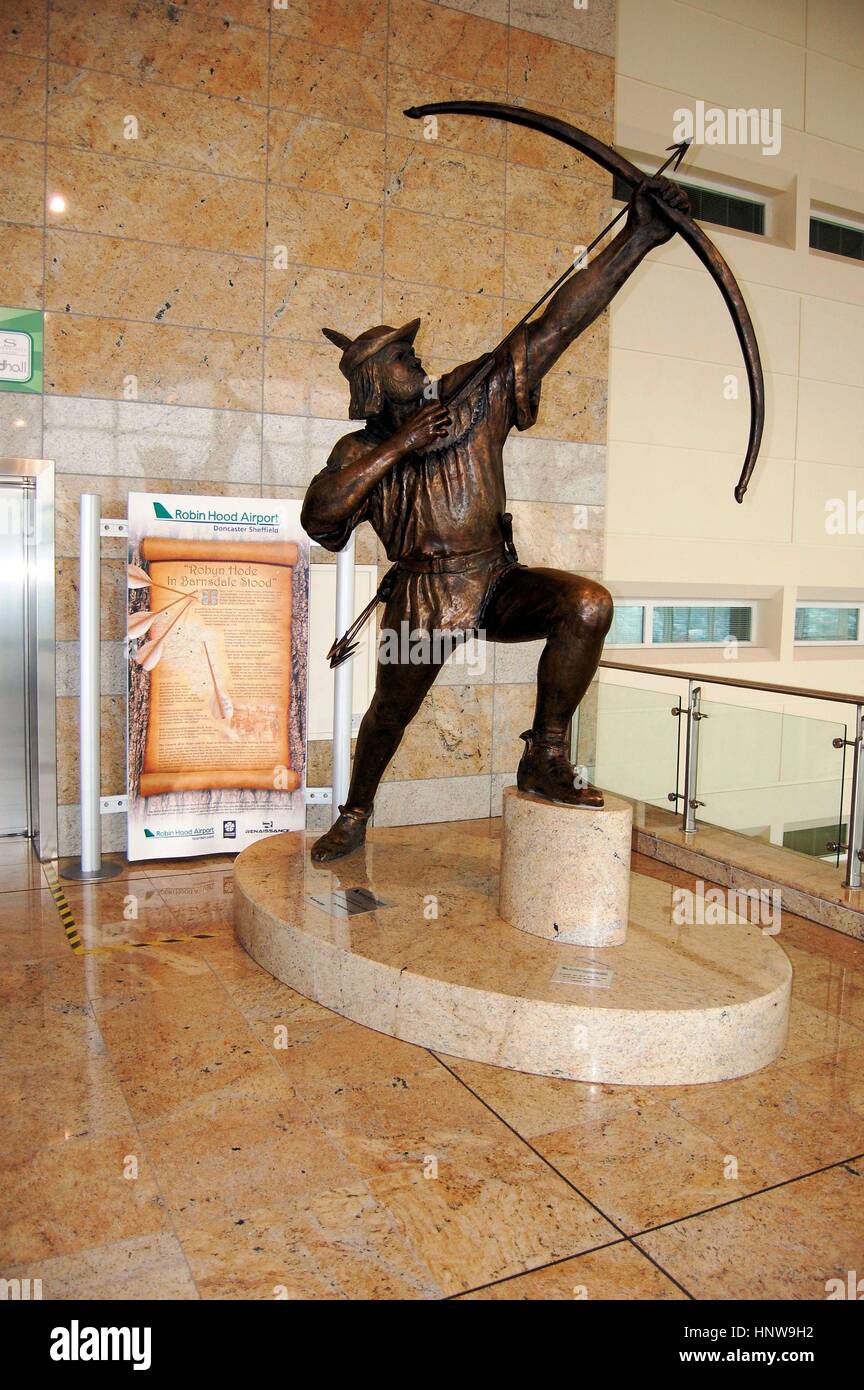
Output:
x,y
693,714
842,698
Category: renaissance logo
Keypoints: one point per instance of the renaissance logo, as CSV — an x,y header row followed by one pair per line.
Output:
x,y
77,1343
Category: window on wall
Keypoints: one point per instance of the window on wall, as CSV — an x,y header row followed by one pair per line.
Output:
x,y
836,237
829,622
713,205
655,623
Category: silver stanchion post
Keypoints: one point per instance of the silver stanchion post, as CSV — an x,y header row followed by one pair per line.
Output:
x,y
92,866
343,679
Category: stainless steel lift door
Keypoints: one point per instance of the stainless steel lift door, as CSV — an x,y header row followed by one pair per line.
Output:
x,y
15,812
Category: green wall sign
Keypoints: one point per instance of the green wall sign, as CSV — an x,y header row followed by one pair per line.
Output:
x,y
20,350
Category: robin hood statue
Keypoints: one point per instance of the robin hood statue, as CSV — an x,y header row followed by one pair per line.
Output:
x,y
428,476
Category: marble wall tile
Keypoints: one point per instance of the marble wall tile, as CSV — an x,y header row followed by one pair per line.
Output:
x,y
296,448
318,818
303,378
471,665
21,182
319,229
316,81
113,779
431,177
112,599
24,28
531,261
319,762
176,366
591,26
406,86
21,424
552,534
485,9
454,325
325,156
90,110
22,96
113,668
110,277
572,407
436,799
448,41
513,713
69,830
500,780
440,251
251,13
125,197
539,152
545,70
516,662
542,470
360,27
554,205
450,737
141,441
23,251
173,44
300,299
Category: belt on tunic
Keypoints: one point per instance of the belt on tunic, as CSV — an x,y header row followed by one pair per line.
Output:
x,y
346,645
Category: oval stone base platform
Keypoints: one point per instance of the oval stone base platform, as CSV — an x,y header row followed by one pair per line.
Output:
x,y
404,937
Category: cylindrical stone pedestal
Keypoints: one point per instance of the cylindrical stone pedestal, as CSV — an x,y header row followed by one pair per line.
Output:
x,y
565,870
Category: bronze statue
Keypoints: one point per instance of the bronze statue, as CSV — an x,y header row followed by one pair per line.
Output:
x,y
428,476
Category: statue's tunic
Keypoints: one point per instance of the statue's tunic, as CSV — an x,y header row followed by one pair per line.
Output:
x,y
439,514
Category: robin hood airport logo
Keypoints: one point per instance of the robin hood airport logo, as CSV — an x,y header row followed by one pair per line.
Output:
x,y
210,516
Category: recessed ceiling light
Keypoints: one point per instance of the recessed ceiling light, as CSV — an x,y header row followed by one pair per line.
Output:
x,y
18,424
57,203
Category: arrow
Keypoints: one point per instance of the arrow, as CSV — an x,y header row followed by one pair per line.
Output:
x,y
485,366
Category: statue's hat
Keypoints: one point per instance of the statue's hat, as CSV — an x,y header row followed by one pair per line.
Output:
x,y
357,350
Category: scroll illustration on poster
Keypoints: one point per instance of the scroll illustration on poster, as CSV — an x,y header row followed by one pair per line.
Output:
x,y
217,631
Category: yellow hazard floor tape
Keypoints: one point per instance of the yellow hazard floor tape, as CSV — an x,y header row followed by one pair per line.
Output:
x,y
70,926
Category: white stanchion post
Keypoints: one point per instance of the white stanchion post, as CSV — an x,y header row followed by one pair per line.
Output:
x,y
343,679
92,867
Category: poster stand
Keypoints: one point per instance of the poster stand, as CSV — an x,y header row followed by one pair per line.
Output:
x,y
343,679
91,867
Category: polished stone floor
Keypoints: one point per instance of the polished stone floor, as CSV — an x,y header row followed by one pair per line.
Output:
x,y
177,1124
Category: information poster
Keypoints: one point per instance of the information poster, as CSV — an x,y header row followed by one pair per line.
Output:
x,y
20,350
217,631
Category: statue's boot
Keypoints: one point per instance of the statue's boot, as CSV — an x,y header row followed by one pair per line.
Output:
x,y
545,770
347,832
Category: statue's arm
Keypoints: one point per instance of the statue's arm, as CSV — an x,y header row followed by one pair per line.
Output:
x,y
587,293
338,492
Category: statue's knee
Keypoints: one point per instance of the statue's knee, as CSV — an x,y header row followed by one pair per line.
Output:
x,y
600,608
588,606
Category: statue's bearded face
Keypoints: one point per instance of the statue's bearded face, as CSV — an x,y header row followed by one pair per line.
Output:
x,y
402,377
